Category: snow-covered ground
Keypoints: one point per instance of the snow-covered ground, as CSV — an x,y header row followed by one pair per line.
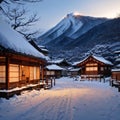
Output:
x,y
68,100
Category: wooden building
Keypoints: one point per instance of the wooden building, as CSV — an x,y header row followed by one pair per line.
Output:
x,y
54,70
116,70
73,72
117,57
61,63
20,62
116,74
115,78
94,66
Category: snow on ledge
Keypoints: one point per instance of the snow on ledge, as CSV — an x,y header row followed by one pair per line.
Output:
x,y
19,88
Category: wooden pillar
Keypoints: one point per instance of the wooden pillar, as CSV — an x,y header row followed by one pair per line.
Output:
x,y
100,78
42,74
7,73
104,79
112,83
119,88
116,77
46,80
51,83
54,81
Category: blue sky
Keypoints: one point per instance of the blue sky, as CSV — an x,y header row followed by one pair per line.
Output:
x,y
52,11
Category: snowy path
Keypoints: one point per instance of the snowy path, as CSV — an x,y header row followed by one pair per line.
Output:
x,y
68,100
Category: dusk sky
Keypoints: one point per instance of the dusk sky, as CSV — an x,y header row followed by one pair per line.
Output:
x,y
52,11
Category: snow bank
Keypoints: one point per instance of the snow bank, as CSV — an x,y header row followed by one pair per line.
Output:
x,y
68,100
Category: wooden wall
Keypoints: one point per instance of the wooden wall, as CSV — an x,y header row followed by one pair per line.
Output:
x,y
93,67
116,75
19,70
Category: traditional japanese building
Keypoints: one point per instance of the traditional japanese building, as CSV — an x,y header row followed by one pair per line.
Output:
x,y
54,70
20,62
117,58
116,70
62,63
95,66
116,74
74,72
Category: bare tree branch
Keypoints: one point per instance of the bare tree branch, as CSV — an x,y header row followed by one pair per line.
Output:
x,y
29,36
18,1
20,22
8,2
17,16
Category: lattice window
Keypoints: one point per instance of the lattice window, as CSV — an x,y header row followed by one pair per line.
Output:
x,y
14,73
2,74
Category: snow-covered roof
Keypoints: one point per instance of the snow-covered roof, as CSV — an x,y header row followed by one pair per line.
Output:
x,y
118,51
75,69
118,59
101,59
43,49
75,63
12,40
54,67
118,65
56,61
40,46
116,70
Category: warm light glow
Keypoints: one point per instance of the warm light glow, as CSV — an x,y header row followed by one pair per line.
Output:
x,y
76,13
2,74
91,68
14,73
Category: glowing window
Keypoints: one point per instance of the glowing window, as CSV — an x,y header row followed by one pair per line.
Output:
x,y
31,73
2,74
91,68
14,73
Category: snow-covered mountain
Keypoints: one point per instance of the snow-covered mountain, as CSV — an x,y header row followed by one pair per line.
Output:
x,y
76,36
69,28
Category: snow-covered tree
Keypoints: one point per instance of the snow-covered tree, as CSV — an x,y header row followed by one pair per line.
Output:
x,y
19,1
21,23
18,16
8,2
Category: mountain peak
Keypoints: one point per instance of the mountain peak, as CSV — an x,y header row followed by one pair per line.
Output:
x,y
72,26
74,14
